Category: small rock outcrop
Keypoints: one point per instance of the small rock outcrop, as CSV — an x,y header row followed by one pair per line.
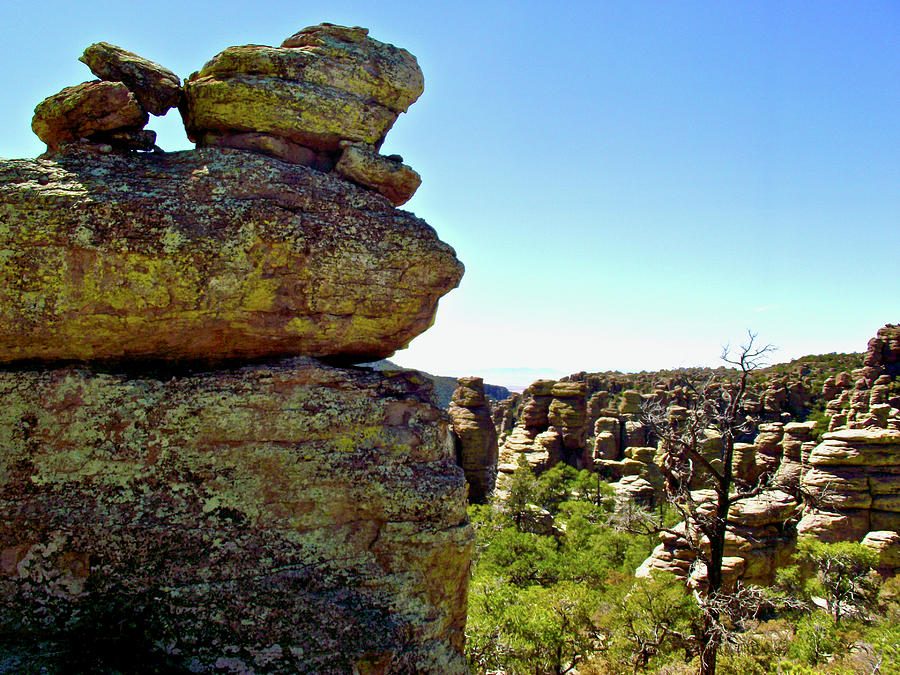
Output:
x,y
100,112
475,436
304,101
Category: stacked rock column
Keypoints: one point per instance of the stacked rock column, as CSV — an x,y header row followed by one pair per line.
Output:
x,y
476,437
197,476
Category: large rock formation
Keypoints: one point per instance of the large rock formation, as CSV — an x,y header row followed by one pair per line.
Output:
x,y
853,485
758,541
180,500
282,518
212,253
476,437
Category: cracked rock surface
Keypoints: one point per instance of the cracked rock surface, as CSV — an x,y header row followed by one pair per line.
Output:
x,y
209,254
280,518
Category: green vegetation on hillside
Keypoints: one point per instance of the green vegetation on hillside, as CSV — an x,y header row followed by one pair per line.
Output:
x,y
553,591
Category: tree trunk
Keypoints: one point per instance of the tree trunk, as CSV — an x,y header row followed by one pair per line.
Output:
x,y
709,637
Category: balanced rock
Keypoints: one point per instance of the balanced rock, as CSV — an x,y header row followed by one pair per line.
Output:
x,y
279,518
323,85
475,436
86,111
207,254
156,89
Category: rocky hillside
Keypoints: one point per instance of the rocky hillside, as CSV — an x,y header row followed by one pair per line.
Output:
x,y
833,476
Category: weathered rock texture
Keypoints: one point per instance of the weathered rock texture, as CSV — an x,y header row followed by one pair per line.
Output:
x,y
475,436
88,110
758,541
323,85
870,397
156,89
853,485
207,254
387,175
181,501
281,518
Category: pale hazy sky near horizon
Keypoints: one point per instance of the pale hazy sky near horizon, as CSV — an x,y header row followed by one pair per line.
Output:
x,y
629,184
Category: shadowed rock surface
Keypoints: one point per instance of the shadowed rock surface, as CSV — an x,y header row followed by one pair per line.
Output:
x,y
217,513
207,254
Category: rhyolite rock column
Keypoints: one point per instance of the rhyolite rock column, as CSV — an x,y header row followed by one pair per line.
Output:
x,y
476,437
853,485
757,542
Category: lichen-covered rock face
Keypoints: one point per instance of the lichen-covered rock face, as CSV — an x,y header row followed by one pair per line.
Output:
x,y
84,110
323,85
156,89
476,437
209,254
281,518
362,164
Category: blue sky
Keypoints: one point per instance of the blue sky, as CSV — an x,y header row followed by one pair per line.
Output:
x,y
629,184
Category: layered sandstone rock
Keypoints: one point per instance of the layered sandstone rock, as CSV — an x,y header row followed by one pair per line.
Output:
x,y
853,485
476,437
324,85
226,509
208,254
759,540
790,469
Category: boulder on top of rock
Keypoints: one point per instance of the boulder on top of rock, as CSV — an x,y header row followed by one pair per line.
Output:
x,y
84,110
387,175
157,89
324,85
208,254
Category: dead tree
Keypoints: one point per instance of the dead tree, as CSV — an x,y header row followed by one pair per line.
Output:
x,y
682,433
